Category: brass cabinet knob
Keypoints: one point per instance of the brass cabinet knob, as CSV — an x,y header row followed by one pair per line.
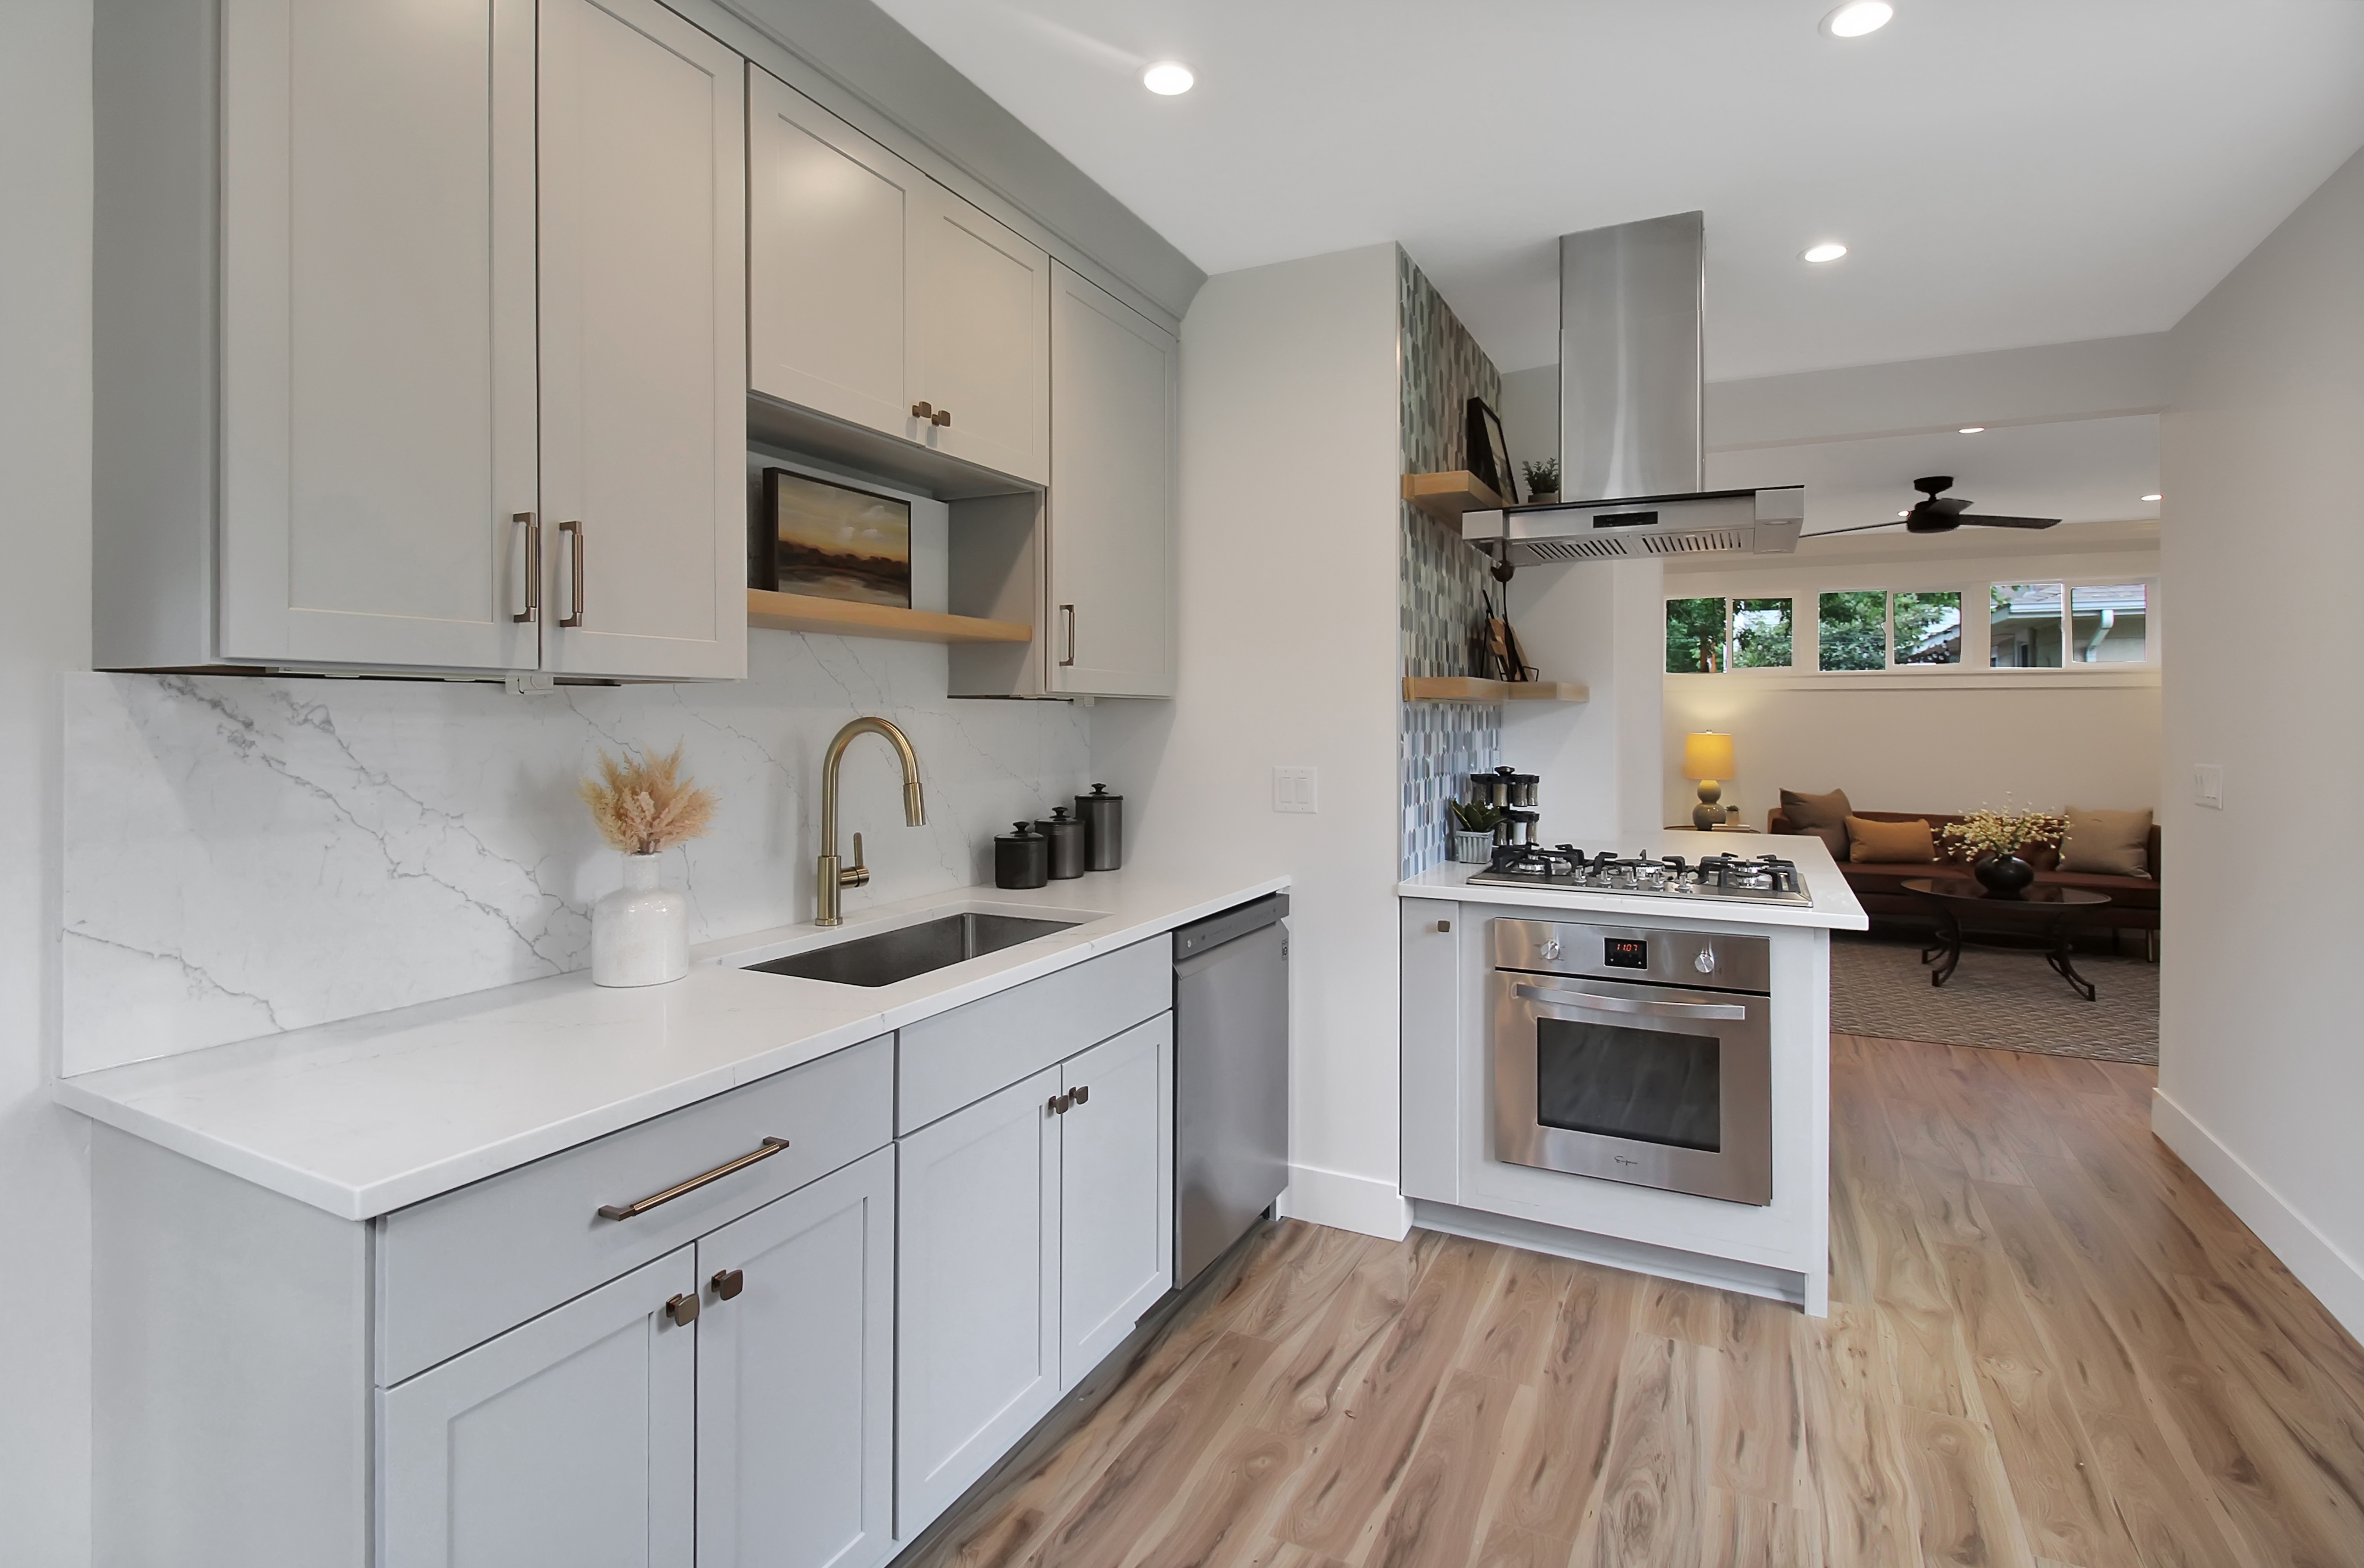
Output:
x,y
1061,1103
1083,1093
729,1283
940,416
683,1309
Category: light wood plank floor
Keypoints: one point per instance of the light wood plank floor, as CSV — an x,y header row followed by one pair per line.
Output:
x,y
2049,1347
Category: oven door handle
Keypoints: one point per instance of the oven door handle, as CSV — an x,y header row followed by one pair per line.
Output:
x,y
1584,1001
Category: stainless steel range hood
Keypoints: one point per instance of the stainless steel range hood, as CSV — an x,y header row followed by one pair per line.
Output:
x,y
1632,311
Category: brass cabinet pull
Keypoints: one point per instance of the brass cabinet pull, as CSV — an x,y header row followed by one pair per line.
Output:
x,y
941,416
1083,1092
923,411
683,1309
1061,1103
729,1283
575,555
1068,612
532,566
630,1210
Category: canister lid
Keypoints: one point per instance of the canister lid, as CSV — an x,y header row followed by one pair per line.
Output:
x,y
1099,792
1025,830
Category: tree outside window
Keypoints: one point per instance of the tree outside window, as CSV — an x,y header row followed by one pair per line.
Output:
x,y
1695,635
1760,634
1928,627
1854,631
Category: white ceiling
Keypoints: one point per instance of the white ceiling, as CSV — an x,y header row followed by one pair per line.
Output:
x,y
2007,172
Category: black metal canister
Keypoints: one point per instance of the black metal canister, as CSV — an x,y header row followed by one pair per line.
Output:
x,y
1103,816
1070,844
1021,859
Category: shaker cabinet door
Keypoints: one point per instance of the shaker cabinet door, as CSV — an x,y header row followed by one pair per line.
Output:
x,y
643,344
981,342
796,1378
377,332
1113,407
1115,1225
570,1439
828,292
977,1292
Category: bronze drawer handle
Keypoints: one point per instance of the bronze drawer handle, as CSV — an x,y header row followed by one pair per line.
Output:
x,y
627,1210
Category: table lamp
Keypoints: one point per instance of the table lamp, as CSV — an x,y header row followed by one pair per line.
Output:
x,y
1707,757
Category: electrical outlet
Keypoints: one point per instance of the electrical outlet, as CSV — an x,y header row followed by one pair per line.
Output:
x,y
2208,784
1295,789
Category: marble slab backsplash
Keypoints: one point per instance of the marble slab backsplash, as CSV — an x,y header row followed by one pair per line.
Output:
x,y
245,854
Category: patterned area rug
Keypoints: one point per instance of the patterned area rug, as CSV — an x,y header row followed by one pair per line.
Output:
x,y
2006,999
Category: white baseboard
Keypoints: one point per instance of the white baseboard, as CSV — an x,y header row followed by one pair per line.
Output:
x,y
2335,1277
1363,1204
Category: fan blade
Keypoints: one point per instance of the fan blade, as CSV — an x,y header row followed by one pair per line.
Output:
x,y
2007,522
1944,506
1858,529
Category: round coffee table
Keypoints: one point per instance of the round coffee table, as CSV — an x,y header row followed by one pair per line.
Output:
x,y
2043,912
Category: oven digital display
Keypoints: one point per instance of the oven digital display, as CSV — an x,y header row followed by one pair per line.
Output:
x,y
1625,952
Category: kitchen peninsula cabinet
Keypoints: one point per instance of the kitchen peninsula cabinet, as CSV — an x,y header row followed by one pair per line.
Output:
x,y
419,338
880,298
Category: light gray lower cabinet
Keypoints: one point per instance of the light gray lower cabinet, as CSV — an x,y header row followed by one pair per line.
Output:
x,y
796,1378
1036,1230
571,1438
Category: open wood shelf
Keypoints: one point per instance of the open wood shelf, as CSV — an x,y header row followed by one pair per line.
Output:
x,y
843,618
1445,496
1469,688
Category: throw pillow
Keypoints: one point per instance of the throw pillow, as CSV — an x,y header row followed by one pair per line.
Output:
x,y
1869,841
1824,816
2108,843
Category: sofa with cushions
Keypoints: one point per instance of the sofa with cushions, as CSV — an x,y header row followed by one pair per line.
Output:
x,y
1880,884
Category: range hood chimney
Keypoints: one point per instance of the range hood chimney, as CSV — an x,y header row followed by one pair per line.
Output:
x,y
1633,306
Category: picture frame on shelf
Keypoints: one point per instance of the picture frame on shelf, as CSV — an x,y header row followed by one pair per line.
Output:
x,y
828,541
1489,454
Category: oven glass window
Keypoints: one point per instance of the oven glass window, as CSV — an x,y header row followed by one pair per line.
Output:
x,y
1650,1086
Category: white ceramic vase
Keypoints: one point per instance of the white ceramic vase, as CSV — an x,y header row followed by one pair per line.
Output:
x,y
639,933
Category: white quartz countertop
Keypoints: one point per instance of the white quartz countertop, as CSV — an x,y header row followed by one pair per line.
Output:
x,y
364,1116
1834,906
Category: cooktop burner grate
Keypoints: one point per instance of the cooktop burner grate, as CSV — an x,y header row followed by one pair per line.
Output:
x,y
1767,879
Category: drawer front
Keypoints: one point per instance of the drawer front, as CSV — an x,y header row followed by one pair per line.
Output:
x,y
456,1270
957,1058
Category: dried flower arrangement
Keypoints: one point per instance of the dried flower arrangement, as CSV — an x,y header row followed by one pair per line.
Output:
x,y
641,804
1986,832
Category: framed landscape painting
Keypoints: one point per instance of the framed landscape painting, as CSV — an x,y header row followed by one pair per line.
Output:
x,y
832,541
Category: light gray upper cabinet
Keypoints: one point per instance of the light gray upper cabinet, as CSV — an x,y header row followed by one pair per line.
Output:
x,y
873,290
570,1439
977,1306
377,317
643,344
387,295
796,1378
1115,398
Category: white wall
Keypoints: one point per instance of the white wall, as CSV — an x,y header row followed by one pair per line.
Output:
x,y
1288,657
2261,1051
1945,740
45,443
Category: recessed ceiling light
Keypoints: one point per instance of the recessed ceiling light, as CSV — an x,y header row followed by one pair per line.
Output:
x,y
2154,498
1168,77
1974,429
1857,17
1828,250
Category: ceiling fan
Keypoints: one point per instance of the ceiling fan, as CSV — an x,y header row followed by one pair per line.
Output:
x,y
1937,513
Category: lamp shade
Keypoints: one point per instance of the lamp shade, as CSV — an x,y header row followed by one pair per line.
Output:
x,y
1707,755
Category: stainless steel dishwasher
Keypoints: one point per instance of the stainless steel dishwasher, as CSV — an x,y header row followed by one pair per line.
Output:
x,y
1231,1077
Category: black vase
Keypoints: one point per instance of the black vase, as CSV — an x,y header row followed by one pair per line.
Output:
x,y
2004,876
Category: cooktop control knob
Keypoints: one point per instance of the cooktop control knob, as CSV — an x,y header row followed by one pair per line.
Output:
x,y
1705,961
1551,948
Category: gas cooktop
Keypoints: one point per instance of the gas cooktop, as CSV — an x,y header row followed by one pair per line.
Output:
x,y
1767,879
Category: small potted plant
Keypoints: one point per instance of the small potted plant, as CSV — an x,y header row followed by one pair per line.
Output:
x,y
642,806
1991,842
1542,481
1473,829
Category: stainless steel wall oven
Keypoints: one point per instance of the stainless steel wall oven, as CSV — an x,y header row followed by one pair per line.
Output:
x,y
1638,1054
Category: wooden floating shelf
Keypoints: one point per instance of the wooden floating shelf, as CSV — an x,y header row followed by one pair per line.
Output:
x,y
1469,688
844,617
1445,496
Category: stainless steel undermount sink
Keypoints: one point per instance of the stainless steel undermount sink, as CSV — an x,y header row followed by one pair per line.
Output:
x,y
909,951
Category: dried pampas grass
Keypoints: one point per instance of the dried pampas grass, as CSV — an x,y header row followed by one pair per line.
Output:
x,y
642,805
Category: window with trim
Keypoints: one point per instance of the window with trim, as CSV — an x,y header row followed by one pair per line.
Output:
x,y
1704,636
2047,626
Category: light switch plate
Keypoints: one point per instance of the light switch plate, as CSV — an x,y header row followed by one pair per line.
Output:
x,y
1295,789
2208,784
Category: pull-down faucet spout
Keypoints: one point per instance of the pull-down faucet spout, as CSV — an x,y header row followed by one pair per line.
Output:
x,y
831,876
